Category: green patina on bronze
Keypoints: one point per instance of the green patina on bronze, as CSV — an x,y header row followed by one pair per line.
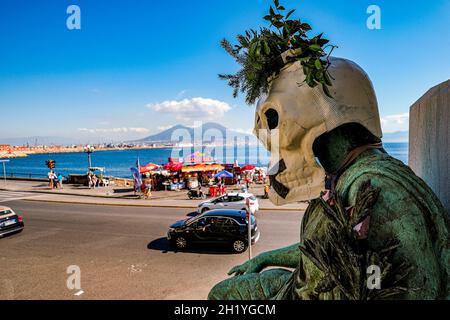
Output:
x,y
408,237
406,228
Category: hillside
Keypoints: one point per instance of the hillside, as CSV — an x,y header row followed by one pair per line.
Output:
x,y
208,130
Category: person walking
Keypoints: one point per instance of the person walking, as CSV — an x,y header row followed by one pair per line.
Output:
x,y
50,179
266,191
89,177
219,186
55,181
94,181
60,181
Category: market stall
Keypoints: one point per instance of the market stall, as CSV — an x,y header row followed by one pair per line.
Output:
x,y
148,168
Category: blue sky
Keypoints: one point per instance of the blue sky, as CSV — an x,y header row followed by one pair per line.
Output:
x,y
132,61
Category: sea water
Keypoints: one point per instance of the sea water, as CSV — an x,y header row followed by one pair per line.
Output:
x,y
118,162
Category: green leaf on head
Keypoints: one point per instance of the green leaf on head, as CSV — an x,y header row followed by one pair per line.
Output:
x,y
259,54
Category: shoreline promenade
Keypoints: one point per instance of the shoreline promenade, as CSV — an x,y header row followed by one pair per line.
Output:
x,y
119,196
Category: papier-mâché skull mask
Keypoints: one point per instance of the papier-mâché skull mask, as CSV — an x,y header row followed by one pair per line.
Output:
x,y
293,115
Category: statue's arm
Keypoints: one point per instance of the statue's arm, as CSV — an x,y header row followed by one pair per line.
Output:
x,y
397,214
288,257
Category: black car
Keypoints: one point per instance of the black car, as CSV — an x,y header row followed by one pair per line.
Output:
x,y
215,226
10,222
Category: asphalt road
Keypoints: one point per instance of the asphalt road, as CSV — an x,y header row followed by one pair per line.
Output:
x,y
121,251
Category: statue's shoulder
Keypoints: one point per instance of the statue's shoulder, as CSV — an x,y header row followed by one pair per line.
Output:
x,y
380,165
384,171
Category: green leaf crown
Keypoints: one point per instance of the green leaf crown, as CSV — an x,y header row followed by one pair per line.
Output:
x,y
262,54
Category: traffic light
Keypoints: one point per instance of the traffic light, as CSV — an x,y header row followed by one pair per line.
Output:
x,y
50,164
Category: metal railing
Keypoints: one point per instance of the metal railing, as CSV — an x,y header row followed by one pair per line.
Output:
x,y
25,175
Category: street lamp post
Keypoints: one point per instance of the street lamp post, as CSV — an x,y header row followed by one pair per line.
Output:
x,y
89,149
249,227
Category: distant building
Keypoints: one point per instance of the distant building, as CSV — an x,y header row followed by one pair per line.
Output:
x,y
5,147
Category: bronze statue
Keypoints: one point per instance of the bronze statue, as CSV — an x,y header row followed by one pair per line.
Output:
x,y
366,209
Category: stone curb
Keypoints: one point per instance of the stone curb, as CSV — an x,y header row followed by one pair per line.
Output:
x,y
185,206
69,194
147,205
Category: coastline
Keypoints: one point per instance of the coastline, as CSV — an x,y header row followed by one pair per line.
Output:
x,y
62,150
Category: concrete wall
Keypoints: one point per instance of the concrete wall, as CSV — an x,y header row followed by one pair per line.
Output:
x,y
429,140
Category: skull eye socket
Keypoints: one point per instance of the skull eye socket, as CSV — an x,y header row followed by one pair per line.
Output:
x,y
272,118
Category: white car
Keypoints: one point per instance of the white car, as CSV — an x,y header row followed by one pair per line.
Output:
x,y
230,201
10,222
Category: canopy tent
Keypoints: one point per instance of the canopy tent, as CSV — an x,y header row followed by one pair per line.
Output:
x,y
248,167
223,174
173,166
202,168
148,167
160,171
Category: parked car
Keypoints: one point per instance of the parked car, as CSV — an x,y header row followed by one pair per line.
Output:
x,y
215,226
10,222
230,201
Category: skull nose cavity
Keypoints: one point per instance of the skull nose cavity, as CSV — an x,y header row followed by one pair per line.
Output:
x,y
272,118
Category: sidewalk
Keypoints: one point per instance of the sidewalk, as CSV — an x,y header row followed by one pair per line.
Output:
x,y
123,196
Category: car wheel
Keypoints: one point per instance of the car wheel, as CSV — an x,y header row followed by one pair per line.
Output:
x,y
239,246
205,209
180,242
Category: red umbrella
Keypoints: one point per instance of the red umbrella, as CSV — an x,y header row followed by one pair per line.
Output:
x,y
248,167
148,167
173,166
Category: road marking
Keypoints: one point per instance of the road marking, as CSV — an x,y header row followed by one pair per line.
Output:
x,y
6,196
79,293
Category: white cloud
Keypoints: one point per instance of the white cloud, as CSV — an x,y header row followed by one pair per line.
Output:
x,y
395,123
190,109
114,130
163,128
139,130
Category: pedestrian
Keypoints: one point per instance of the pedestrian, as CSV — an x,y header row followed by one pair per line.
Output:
x,y
266,191
55,181
50,179
219,186
89,177
60,181
94,181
